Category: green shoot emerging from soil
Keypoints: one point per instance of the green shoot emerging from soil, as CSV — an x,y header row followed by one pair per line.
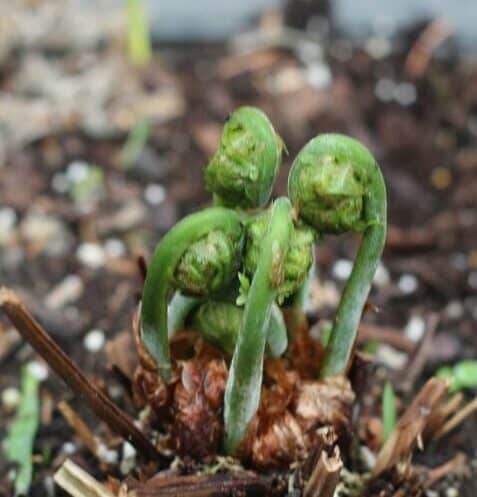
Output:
x,y
231,270
139,38
19,442
389,410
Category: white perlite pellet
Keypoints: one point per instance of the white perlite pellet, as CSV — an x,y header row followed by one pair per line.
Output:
x,y
94,340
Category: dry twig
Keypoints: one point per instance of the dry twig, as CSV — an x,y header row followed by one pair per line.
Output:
x,y
79,426
409,240
458,417
426,44
418,359
443,470
442,414
385,334
64,367
407,433
216,485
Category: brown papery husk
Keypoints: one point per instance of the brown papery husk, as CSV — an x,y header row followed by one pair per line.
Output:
x,y
294,405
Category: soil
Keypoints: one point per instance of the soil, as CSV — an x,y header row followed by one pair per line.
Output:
x,y
423,130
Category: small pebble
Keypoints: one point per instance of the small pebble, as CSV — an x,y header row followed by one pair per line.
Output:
x,y
94,340
10,398
407,284
341,50
114,247
368,457
50,486
415,328
105,455
47,231
381,278
128,450
68,290
318,75
391,357
68,448
154,194
128,216
405,94
441,178
454,309
378,47
472,259
91,255
288,79
60,183
308,50
8,219
470,303
342,269
472,280
38,370
128,461
323,294
38,227
115,391
384,89
12,257
472,125
459,261
77,171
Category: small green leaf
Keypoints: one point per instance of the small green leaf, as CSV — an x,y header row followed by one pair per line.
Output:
x,y
325,332
21,435
135,143
139,38
389,411
243,290
371,347
463,375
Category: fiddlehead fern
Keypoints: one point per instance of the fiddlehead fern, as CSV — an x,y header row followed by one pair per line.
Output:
x,y
192,257
242,171
219,323
242,394
336,185
298,260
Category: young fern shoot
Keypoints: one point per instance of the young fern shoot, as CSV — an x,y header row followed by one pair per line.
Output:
x,y
219,323
336,186
243,169
199,256
242,393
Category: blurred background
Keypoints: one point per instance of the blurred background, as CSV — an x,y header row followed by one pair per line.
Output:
x,y
109,111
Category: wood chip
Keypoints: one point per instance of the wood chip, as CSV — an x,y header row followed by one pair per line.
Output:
x,y
325,476
78,483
